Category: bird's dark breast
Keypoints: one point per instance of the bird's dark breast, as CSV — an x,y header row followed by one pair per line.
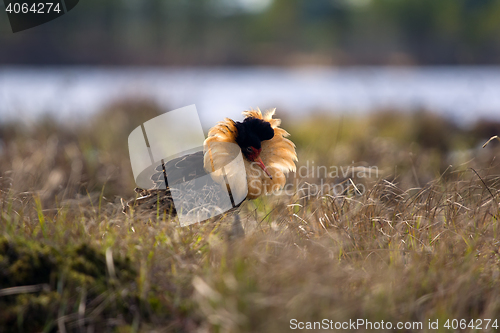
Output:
x,y
251,132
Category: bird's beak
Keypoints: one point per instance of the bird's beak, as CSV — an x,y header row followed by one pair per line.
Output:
x,y
261,164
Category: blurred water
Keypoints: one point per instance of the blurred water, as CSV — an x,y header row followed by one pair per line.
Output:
x,y
461,93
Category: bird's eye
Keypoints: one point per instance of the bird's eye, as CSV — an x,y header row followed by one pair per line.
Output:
x,y
249,149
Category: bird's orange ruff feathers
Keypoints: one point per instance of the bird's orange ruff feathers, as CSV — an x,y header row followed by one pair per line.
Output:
x,y
278,154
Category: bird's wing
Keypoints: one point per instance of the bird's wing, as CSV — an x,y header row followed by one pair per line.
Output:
x,y
179,170
151,201
174,172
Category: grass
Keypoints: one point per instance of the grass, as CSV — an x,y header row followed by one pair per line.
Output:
x,y
420,243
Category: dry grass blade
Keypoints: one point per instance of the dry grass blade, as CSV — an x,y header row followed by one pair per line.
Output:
x,y
24,289
492,138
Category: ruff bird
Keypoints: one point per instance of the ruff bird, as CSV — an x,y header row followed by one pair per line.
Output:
x,y
268,157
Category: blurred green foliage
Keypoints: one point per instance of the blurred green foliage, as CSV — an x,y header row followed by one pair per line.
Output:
x,y
283,32
62,274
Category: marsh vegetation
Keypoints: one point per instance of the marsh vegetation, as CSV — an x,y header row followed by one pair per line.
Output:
x,y
419,244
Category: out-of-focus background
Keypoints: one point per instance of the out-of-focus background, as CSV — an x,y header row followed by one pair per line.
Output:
x,y
349,78
327,56
419,72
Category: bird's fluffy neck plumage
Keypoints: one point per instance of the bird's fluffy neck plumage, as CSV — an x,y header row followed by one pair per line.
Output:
x,y
278,152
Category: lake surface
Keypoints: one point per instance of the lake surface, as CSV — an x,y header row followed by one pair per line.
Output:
x,y
464,94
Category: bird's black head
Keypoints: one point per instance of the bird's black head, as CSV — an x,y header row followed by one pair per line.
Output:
x,y
251,132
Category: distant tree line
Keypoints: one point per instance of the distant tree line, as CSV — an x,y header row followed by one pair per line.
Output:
x,y
286,32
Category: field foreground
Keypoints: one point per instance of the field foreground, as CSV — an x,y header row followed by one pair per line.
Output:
x,y
417,242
